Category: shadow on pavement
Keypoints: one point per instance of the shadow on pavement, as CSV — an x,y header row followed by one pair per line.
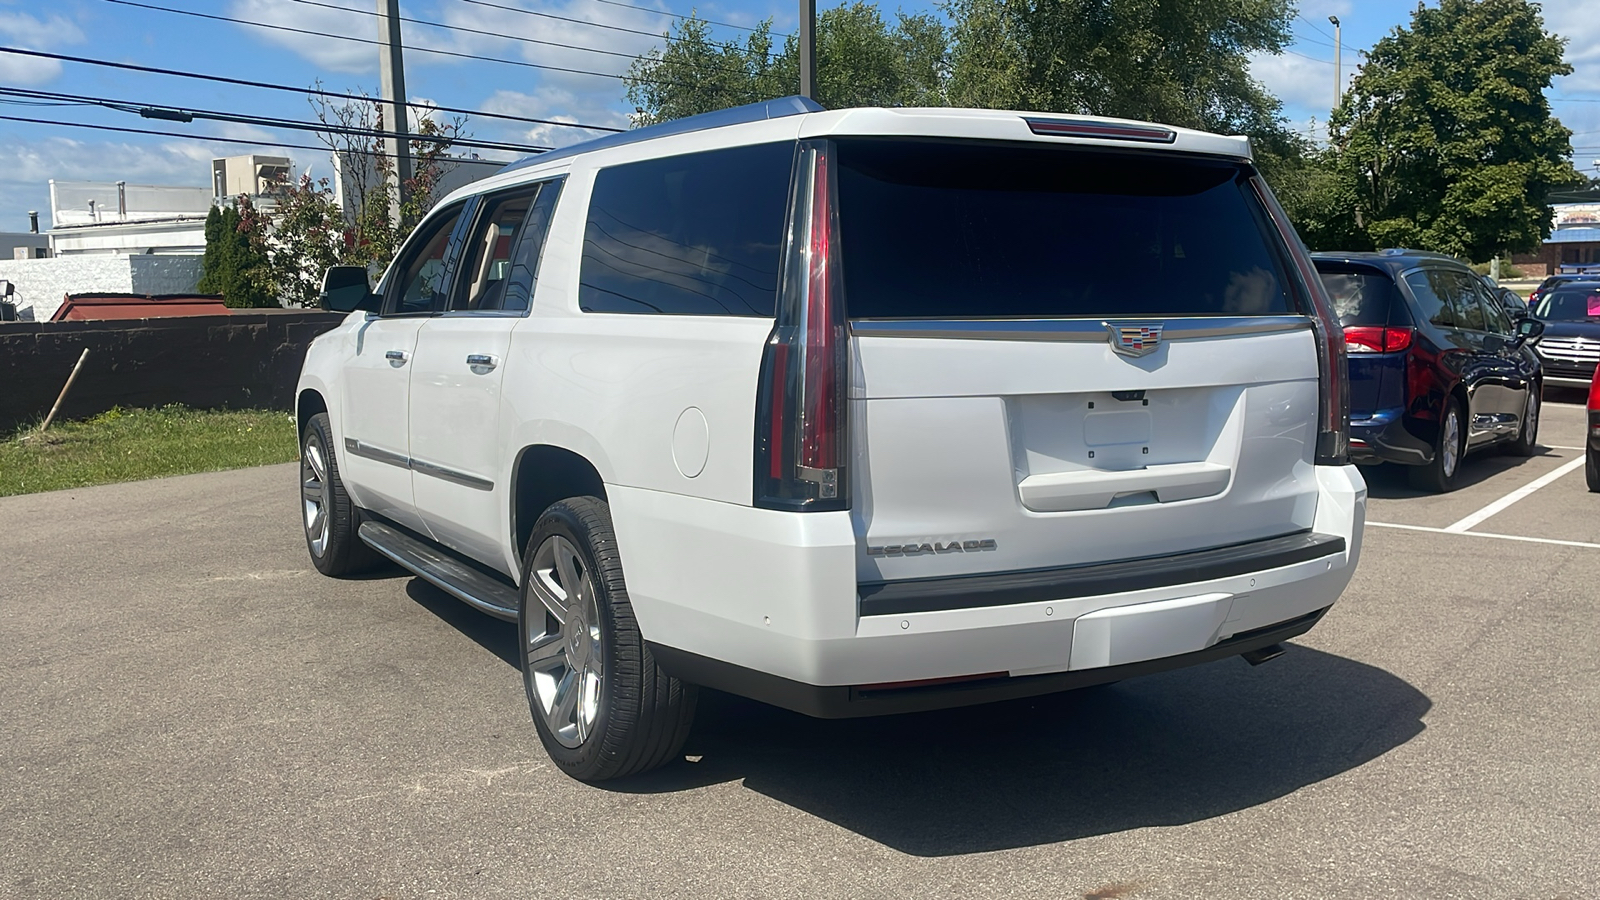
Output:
x,y
1169,749
1390,481
494,635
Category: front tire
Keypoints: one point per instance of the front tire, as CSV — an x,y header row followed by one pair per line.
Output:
x,y
329,517
1439,475
602,706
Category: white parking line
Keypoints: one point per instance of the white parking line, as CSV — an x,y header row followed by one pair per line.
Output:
x,y
1521,492
1554,447
1485,534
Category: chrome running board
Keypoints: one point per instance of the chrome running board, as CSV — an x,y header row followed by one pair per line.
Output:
x,y
477,589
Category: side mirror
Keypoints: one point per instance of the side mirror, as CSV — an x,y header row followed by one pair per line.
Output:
x,y
345,289
1528,328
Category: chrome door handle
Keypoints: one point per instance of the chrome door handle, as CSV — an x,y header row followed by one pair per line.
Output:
x,y
395,356
481,361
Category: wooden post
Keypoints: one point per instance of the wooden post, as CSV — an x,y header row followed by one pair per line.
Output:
x,y
64,388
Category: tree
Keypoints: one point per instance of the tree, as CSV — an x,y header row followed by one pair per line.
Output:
x,y
349,132
1181,62
1445,140
234,264
861,61
309,233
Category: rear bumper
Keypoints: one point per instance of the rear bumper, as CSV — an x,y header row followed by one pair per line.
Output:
x,y
766,604
841,702
1382,437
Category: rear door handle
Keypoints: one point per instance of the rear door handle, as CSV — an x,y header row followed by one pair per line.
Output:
x,y
482,361
398,356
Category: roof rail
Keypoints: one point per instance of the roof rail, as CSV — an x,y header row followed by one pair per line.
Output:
x,y
737,115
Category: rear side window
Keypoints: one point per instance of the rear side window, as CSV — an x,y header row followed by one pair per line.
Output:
x,y
698,234
1435,293
934,229
1362,297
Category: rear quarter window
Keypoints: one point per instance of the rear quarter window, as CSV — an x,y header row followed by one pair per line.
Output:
x,y
944,229
1362,296
698,234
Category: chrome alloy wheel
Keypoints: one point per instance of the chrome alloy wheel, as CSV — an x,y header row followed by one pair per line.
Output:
x,y
1451,447
314,496
566,657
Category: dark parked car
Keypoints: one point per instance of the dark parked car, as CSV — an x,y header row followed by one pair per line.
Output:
x,y
1570,345
1555,280
1437,368
1510,301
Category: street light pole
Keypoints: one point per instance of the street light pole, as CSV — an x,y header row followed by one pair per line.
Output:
x,y
1338,82
808,49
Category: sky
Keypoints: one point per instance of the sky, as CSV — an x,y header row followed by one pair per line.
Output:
x,y
32,154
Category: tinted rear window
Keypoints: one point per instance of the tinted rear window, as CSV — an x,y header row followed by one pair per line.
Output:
x,y
1569,303
949,230
1361,297
697,234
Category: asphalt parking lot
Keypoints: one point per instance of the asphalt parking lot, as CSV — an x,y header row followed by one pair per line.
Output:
x,y
188,710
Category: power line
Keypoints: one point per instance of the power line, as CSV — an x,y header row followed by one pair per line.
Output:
x,y
360,40
545,15
176,134
1314,26
685,18
157,111
495,34
316,92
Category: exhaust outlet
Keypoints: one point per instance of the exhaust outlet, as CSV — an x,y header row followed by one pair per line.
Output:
x,y
1263,654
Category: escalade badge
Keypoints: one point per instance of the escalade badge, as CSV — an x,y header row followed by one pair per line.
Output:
x,y
1134,338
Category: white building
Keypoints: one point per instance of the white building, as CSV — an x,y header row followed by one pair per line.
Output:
x,y
354,173
117,218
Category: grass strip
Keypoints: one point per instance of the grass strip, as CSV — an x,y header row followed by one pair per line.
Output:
x,y
130,444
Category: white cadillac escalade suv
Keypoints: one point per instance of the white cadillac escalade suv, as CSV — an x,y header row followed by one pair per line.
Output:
x,y
854,412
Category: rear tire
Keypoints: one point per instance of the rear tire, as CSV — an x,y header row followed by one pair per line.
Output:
x,y
1527,442
329,518
1591,469
602,706
1440,475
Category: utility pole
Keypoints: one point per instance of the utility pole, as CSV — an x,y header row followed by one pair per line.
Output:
x,y
808,49
396,115
1338,82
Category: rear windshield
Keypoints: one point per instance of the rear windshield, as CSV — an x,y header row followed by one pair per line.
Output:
x,y
935,229
1569,303
1360,297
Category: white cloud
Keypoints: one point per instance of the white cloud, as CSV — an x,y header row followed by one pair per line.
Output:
x,y
30,33
325,52
557,103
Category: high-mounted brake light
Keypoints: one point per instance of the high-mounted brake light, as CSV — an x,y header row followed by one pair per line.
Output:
x,y
802,406
1333,414
1375,339
1088,128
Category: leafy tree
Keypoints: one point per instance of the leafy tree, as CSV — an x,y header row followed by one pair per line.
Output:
x,y
1445,140
861,61
1182,62
308,234
234,265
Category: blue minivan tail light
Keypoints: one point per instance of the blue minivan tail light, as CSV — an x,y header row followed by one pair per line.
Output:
x,y
1088,128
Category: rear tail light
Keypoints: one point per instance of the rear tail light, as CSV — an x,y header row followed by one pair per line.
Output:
x,y
1375,339
1333,414
1594,393
802,406
1088,128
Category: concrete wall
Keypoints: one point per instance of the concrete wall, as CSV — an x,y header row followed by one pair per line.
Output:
x,y
244,360
42,283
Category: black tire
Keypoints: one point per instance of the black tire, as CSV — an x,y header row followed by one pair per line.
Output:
x,y
1527,441
1591,469
1442,473
335,548
639,716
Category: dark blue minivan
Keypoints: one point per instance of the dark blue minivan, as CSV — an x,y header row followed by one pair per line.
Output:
x,y
1437,367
